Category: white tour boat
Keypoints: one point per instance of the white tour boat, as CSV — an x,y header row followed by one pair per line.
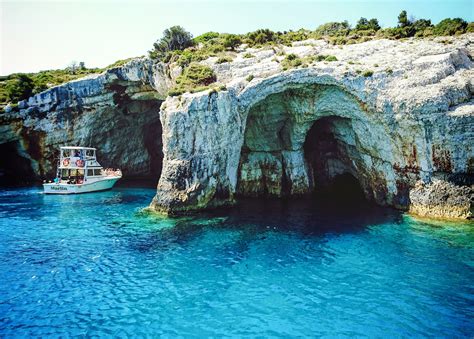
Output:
x,y
79,172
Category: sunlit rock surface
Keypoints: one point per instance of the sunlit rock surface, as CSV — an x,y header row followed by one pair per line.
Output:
x,y
117,112
388,113
288,133
442,199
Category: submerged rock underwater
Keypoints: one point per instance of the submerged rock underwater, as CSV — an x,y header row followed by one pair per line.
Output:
x,y
97,265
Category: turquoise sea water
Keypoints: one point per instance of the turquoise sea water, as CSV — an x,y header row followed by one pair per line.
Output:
x,y
94,265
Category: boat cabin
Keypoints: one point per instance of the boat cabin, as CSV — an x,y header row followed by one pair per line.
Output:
x,y
78,163
79,172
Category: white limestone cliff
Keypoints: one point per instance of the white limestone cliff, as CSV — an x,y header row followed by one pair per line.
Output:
x,y
412,119
389,113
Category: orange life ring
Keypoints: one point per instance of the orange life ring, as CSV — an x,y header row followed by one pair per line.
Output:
x,y
80,163
66,162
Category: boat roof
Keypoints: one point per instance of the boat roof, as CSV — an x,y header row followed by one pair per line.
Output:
x,y
78,147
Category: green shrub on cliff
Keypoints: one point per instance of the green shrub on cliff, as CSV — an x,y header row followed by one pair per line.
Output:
x,y
206,37
224,59
19,88
260,37
450,27
184,58
11,91
174,38
195,78
332,29
291,61
16,87
287,38
232,41
363,24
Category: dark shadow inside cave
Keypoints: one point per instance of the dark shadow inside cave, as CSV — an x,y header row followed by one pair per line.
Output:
x,y
15,169
330,159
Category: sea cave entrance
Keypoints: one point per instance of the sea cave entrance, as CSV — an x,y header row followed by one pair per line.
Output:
x,y
331,158
15,165
302,142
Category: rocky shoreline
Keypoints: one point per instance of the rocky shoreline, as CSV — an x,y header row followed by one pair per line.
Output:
x,y
442,199
388,113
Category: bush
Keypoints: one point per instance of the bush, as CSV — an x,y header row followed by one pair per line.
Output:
x,y
174,38
450,27
286,38
19,88
206,37
398,32
249,78
195,78
338,40
403,19
260,37
368,74
421,24
470,27
291,61
248,56
330,58
224,59
364,24
187,56
232,41
214,48
332,29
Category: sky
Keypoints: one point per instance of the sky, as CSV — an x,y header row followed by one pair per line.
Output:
x,y
39,35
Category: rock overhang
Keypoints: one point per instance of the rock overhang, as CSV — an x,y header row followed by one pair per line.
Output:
x,y
402,109
416,93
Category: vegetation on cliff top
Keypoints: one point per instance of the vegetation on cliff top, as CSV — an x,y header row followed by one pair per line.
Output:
x,y
178,45
19,86
195,78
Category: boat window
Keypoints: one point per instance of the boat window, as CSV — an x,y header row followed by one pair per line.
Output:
x,y
97,172
80,172
66,153
64,173
78,153
90,153
90,172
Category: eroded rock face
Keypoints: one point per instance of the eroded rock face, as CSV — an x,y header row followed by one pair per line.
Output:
x,y
117,112
442,199
387,113
290,132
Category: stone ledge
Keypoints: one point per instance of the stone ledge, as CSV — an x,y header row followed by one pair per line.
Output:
x,y
442,199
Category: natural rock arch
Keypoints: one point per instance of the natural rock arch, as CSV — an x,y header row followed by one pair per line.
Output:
x,y
214,152
118,116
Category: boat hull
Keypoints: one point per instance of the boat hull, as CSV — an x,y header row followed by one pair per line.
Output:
x,y
95,186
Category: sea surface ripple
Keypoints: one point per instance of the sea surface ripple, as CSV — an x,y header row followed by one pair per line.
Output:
x,y
97,265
